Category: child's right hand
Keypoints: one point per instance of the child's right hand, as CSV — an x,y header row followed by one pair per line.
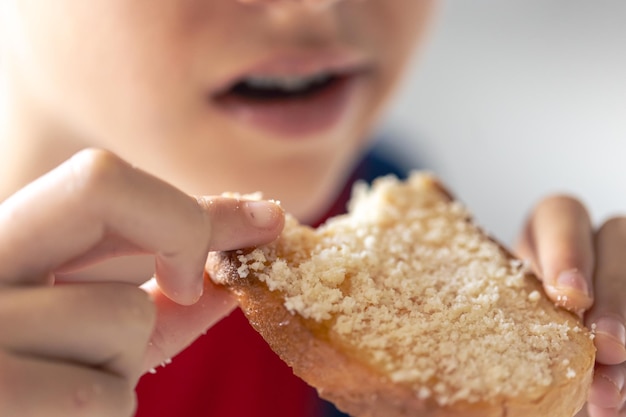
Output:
x,y
79,348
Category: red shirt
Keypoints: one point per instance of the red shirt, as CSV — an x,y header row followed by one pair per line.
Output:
x,y
229,372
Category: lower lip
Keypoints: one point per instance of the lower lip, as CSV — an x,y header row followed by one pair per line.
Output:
x,y
295,117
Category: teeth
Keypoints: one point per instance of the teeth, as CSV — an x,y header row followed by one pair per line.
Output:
x,y
286,83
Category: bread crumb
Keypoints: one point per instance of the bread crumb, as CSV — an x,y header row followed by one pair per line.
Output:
x,y
423,393
561,300
405,261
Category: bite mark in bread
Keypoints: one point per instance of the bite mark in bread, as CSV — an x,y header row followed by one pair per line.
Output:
x,y
404,307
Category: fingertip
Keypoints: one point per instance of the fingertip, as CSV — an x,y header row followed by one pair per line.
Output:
x,y
610,340
571,301
180,295
185,296
237,222
264,214
563,246
180,286
607,387
570,290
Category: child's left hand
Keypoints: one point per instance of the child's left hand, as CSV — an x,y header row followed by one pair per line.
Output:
x,y
584,270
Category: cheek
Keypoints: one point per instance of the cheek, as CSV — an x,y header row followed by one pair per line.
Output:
x,y
391,31
52,49
406,24
97,66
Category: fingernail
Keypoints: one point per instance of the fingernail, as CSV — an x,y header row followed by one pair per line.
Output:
x,y
199,289
616,381
262,214
612,328
573,279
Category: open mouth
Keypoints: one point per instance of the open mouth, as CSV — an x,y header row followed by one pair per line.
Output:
x,y
268,88
290,105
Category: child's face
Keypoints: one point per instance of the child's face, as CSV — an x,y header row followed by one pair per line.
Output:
x,y
217,95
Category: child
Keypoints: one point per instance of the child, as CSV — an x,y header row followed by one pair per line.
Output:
x,y
193,98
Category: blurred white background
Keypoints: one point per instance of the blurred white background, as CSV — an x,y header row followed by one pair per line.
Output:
x,y
513,100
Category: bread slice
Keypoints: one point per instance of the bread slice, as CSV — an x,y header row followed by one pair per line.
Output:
x,y
404,307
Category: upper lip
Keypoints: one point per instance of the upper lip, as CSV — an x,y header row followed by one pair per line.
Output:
x,y
297,64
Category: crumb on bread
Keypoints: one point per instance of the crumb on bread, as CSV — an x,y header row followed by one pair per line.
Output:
x,y
386,278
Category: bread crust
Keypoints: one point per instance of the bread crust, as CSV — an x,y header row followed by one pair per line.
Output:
x,y
361,390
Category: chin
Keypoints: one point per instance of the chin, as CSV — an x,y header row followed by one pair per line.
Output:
x,y
309,197
310,208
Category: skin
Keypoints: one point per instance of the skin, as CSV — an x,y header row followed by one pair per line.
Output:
x,y
559,237
68,211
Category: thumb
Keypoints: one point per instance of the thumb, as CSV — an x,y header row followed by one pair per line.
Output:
x,y
177,326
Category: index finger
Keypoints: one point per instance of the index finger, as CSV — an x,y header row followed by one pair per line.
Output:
x,y
95,197
559,241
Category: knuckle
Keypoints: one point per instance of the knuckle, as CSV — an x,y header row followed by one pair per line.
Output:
x,y
211,207
93,169
81,394
138,312
131,311
101,396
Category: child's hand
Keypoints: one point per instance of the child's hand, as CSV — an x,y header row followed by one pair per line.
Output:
x,y
584,270
79,348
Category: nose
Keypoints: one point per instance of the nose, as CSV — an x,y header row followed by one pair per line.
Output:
x,y
313,4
